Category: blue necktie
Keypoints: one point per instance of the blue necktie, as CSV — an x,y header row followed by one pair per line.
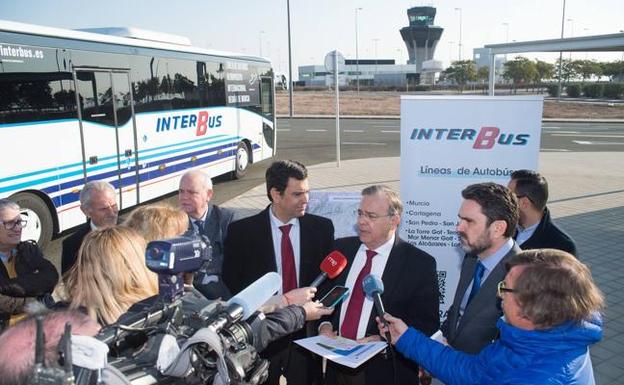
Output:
x,y
476,281
200,225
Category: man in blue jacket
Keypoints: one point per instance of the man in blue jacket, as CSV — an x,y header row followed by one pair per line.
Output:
x,y
551,317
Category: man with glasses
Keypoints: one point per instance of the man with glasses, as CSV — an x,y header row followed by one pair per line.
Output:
x,y
25,274
410,288
551,317
536,230
284,239
99,203
487,220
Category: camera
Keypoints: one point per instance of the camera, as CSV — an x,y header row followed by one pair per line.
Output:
x,y
171,258
180,337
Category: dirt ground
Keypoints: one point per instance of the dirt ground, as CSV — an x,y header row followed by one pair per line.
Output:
x,y
387,103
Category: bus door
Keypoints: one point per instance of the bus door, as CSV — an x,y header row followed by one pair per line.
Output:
x,y
108,130
267,108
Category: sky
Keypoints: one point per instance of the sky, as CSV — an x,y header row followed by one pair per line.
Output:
x,y
317,27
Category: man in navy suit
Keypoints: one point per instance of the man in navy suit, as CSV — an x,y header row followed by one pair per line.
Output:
x,y
410,288
284,239
487,220
536,230
209,220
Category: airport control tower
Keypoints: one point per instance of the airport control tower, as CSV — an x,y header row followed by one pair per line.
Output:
x,y
421,36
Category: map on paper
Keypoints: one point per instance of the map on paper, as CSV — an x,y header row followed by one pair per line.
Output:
x,y
340,207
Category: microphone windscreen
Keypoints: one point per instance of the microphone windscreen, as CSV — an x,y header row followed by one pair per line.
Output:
x,y
372,284
334,264
256,294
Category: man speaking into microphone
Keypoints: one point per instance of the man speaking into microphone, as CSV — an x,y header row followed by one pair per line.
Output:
x,y
409,279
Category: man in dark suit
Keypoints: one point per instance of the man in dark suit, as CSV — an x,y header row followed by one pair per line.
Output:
x,y
281,238
209,220
487,220
536,230
99,204
410,288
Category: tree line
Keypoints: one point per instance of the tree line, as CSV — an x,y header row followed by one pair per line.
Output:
x,y
522,72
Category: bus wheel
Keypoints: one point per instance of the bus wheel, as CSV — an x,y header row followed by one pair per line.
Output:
x,y
242,160
39,226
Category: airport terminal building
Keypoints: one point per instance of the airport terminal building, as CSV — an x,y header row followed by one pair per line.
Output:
x,y
421,37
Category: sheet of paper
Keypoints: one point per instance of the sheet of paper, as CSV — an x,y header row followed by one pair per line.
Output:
x,y
341,350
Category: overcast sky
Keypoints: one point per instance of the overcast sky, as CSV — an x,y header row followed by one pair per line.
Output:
x,y
320,26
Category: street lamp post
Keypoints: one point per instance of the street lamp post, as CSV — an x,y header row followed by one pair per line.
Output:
x,y
460,33
571,21
290,86
260,40
561,52
357,53
506,36
375,40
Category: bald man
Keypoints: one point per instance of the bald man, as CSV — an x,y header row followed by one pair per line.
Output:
x,y
209,220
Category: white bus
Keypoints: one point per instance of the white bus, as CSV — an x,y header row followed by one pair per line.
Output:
x,y
132,107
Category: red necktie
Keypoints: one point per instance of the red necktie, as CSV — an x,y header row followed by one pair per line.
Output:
x,y
289,273
354,309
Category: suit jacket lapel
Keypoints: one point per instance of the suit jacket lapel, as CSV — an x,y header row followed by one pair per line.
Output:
x,y
264,237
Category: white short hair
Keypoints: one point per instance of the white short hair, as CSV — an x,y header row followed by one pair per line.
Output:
x,y
90,187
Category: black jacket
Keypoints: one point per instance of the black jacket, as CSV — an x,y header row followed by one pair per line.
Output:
x,y
71,245
36,276
547,235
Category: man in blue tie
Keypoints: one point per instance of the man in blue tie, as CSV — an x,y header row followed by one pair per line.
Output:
x,y
487,221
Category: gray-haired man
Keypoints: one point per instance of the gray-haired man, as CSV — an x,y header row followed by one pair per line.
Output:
x,y
99,204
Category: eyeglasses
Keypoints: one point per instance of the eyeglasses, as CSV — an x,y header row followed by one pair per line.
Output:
x,y
503,289
371,216
10,225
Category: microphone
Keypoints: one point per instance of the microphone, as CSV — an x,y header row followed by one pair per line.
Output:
x,y
255,295
333,264
373,287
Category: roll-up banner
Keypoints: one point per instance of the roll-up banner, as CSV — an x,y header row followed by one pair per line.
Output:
x,y
448,143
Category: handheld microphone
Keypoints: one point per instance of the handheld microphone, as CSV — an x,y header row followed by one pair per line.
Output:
x,y
373,287
333,264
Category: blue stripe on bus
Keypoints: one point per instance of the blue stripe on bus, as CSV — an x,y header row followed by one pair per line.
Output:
x,y
71,197
115,171
79,164
23,185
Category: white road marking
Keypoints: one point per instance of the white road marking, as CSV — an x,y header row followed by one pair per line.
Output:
x,y
352,130
565,132
591,135
365,143
316,130
554,150
390,131
588,143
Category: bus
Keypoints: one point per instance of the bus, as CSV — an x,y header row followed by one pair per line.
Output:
x,y
132,107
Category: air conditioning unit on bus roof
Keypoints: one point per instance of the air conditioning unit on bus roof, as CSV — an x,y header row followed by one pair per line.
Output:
x,y
140,34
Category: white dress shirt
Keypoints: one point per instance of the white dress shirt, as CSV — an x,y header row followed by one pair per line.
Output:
x,y
377,268
295,241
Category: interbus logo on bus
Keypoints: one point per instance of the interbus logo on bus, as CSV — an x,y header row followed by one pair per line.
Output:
x,y
201,120
484,139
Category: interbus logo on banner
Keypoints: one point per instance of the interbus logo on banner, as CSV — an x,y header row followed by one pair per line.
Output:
x,y
484,139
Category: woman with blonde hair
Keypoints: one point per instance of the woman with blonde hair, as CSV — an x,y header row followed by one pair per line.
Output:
x,y
110,274
155,222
